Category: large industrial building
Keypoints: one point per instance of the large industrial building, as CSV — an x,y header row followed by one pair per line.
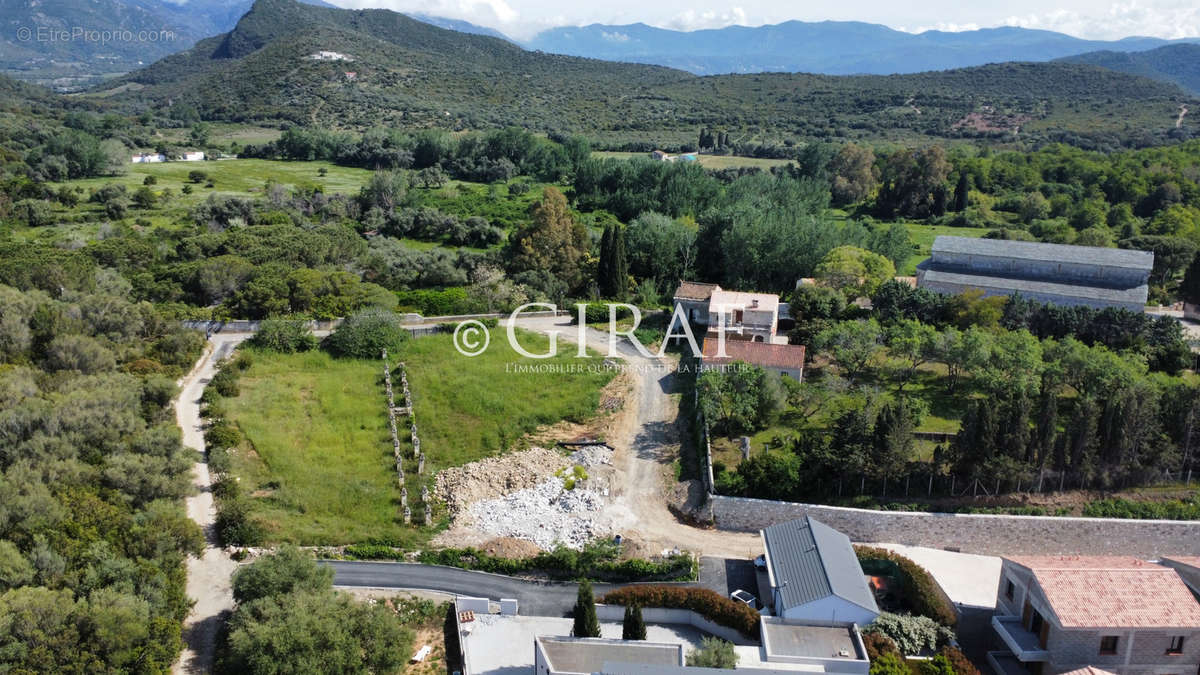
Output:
x,y
1051,273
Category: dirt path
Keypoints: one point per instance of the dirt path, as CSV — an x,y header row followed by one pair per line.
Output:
x,y
646,448
208,577
1183,110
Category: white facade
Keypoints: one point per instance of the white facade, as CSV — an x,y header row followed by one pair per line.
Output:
x,y
148,158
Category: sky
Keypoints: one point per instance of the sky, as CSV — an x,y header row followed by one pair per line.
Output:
x,y
1096,19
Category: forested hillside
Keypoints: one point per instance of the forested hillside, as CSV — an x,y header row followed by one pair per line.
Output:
x,y
1179,64
403,72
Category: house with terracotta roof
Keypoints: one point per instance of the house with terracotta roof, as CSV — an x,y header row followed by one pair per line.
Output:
x,y
1062,614
785,360
743,315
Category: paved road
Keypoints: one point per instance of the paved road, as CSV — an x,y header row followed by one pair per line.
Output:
x,y
536,598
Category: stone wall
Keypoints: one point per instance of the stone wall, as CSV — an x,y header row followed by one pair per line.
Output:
x,y
973,533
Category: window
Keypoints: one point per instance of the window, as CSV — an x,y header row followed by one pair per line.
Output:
x,y
1108,644
1176,645
1010,590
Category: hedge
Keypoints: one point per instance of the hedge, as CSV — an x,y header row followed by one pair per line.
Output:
x,y
919,589
562,563
709,604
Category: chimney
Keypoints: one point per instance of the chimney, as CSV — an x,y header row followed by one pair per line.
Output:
x,y
754,303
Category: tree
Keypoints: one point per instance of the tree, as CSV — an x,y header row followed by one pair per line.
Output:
x,y
553,241
16,570
661,248
962,191
742,398
314,632
287,570
284,336
614,267
585,622
910,344
854,174
633,627
914,183
962,351
365,335
813,308
852,344
854,271
1190,288
713,653
894,440
33,212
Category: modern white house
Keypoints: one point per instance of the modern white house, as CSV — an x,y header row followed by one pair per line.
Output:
x,y
814,574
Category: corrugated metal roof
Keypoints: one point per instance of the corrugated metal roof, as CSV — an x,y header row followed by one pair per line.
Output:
x,y
1135,295
810,561
1063,253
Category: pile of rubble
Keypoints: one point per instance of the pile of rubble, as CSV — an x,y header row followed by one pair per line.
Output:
x,y
489,478
591,455
546,514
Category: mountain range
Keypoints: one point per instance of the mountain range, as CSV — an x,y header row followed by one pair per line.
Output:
x,y
829,47
289,62
1178,63
826,47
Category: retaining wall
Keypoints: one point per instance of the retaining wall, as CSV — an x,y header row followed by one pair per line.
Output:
x,y
973,533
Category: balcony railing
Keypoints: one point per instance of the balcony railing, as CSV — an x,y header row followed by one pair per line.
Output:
x,y
1024,644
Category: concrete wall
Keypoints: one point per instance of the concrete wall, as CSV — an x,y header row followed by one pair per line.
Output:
x,y
1053,298
972,533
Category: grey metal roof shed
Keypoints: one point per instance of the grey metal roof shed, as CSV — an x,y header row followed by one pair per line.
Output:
x,y
810,561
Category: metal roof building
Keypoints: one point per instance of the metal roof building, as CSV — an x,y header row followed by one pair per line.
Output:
x,y
814,574
1052,273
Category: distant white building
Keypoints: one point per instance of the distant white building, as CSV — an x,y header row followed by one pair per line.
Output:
x,y
148,158
330,56
196,156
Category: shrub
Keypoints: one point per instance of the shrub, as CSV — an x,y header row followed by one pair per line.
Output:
x,y
889,664
282,336
218,460
920,591
234,525
958,661
878,644
633,626
594,562
713,653
598,313
912,634
225,382
222,434
366,334
709,604
585,622
197,176
287,570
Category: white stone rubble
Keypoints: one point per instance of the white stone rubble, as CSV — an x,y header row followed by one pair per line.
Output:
x,y
546,514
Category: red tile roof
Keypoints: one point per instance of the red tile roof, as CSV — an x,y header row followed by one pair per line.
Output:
x,y
784,357
695,290
1113,592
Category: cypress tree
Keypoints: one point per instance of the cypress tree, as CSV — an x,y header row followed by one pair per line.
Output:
x,y
620,264
604,268
586,624
1190,288
962,192
633,627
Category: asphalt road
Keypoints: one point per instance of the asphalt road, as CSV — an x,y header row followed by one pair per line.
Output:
x,y
538,598
535,598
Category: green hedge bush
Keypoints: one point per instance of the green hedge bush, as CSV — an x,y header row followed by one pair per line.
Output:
x,y
597,562
709,604
920,591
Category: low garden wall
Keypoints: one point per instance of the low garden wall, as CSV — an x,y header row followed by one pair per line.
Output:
x,y
674,616
985,534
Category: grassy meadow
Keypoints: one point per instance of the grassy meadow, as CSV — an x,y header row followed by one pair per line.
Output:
x,y
468,408
317,461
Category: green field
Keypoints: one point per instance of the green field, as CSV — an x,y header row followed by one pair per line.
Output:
x,y
320,470
709,161
468,408
922,237
318,460
234,177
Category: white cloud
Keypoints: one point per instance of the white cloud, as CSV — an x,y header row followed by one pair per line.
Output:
x,y
942,26
693,20
1169,19
614,36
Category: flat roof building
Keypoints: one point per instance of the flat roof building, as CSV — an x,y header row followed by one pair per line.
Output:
x,y
1051,273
